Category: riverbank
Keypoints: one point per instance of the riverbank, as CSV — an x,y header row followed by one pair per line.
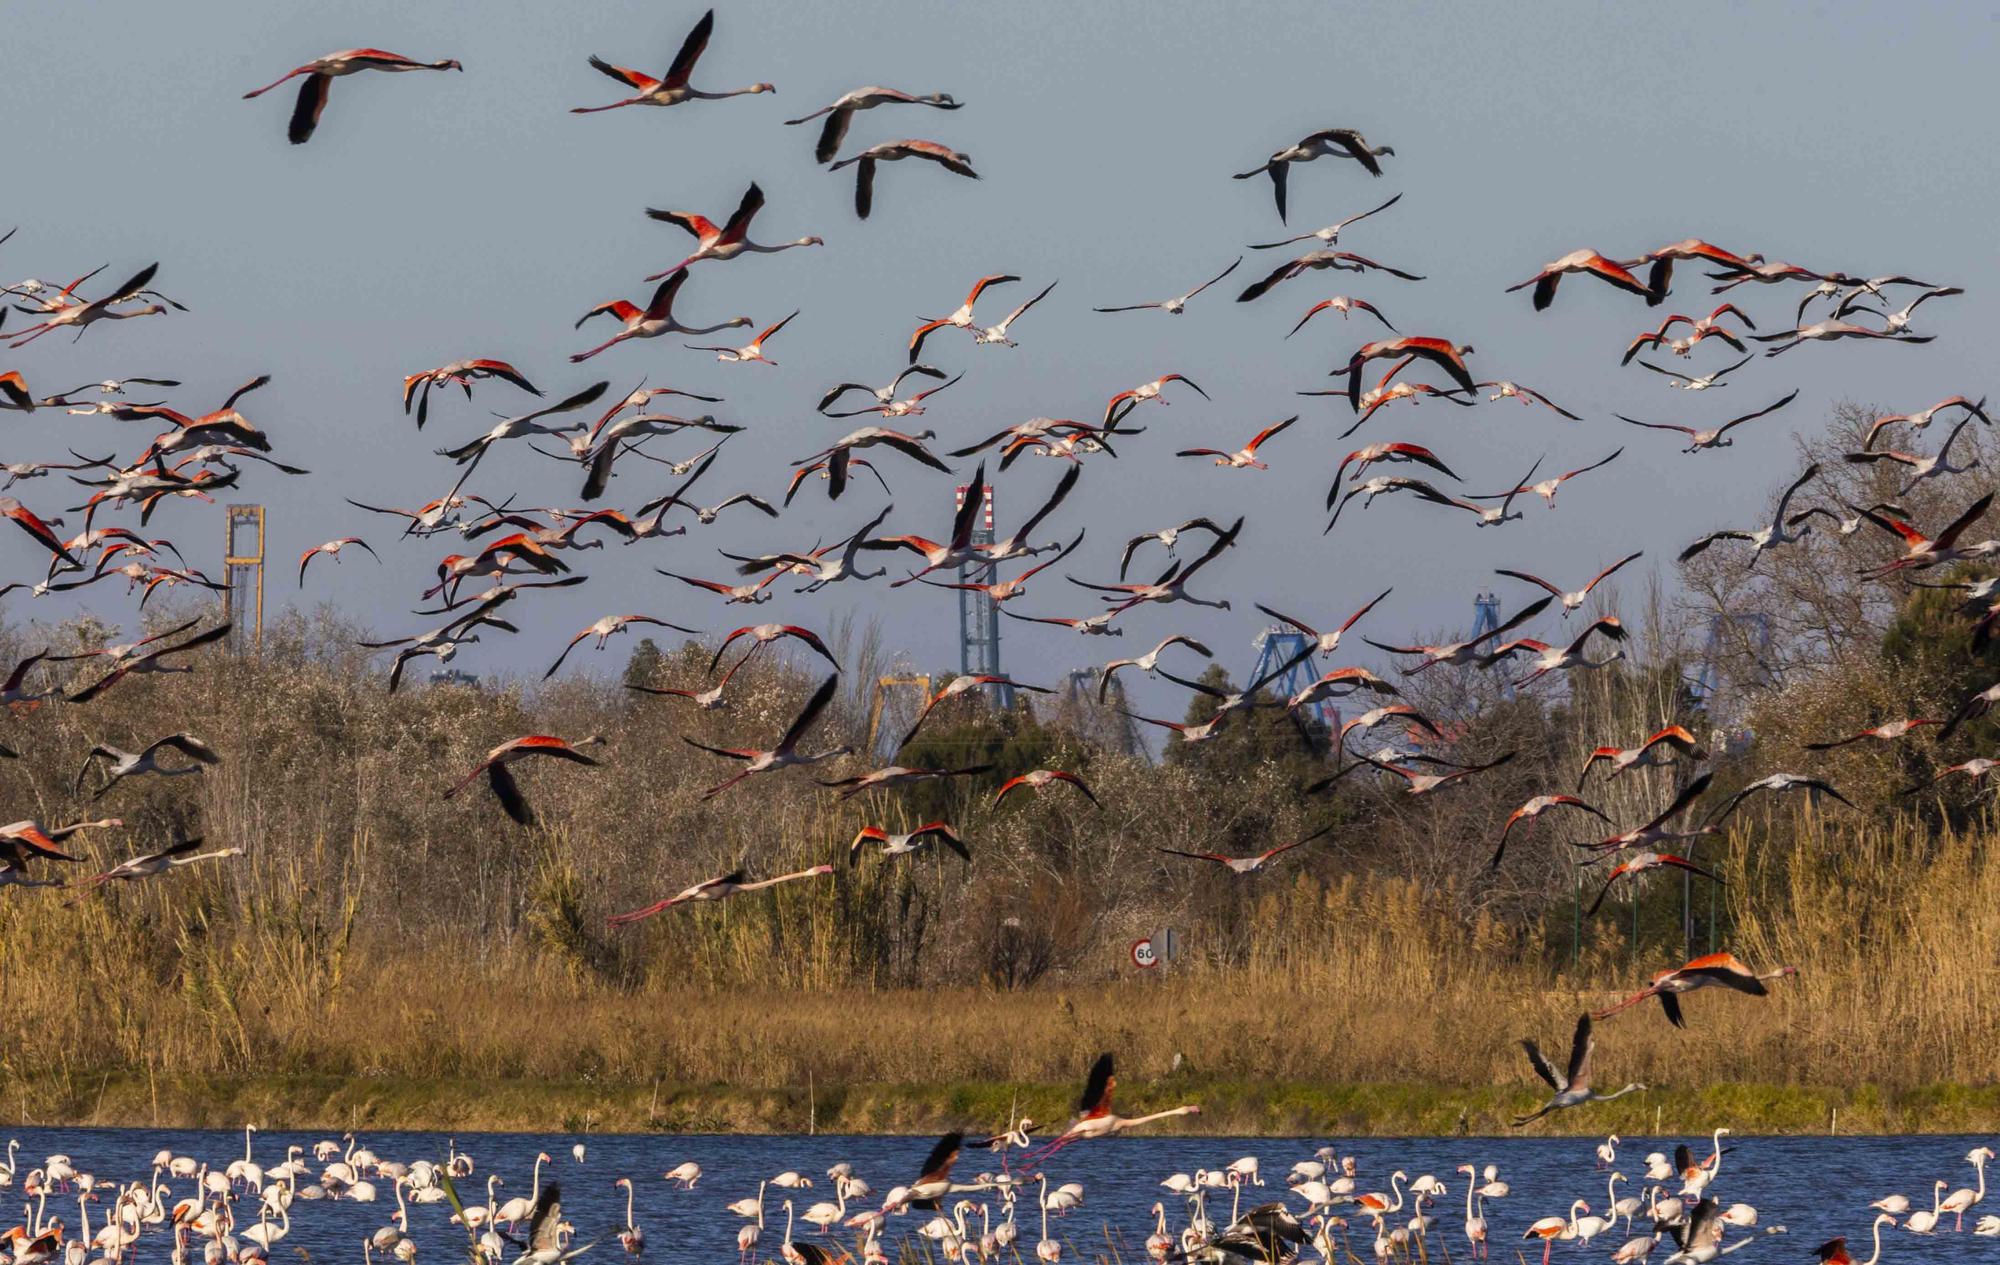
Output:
x,y
1228,1108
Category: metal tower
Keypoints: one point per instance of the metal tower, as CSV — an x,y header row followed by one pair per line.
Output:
x,y
978,614
243,569
1279,645
1485,614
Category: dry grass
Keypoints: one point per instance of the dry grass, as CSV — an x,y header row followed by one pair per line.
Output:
x,y
376,932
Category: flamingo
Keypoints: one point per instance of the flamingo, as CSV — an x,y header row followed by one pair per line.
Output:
x,y
1723,970
1689,382
1921,467
608,627
1461,652
1330,235
1441,352
1095,1117
68,312
1719,437
462,373
960,318
1922,417
1038,779
1316,260
750,352
153,864
651,321
1573,1086
322,71
895,845
841,113
673,88
1584,262
1344,305
1887,732
1571,657
1146,662
1178,304
1638,862
1958,1201
1832,331
1246,456
1249,864
885,396
1698,329
1924,1221
1922,552
332,550
960,685
1343,142
1780,783
785,754
1535,808
721,888
1662,260
1571,599
499,775
895,151
1143,393
728,241
1650,754
124,764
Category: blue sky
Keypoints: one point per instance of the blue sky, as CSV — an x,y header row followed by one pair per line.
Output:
x,y
435,217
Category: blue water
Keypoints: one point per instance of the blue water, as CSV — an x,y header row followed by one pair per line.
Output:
x,y
1816,1187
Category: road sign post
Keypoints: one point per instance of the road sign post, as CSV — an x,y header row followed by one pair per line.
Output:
x,y
1143,956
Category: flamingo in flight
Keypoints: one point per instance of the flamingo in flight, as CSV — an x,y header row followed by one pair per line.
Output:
x,y
1714,970
1095,1117
1146,662
885,397
1897,322
1571,657
1009,589
996,335
708,700
1141,394
1661,271
673,88
750,352
1584,262
322,71
332,550
1653,753
1937,465
897,775
745,594
1178,304
1656,831
1922,417
734,883
1343,142
1441,352
65,312
1503,390
764,634
1573,1085
1638,862
1690,382
729,241
1419,783
1698,329
1772,534
1393,453
1461,652
1326,642
1342,304
1887,732
124,764
912,406
895,151
1571,600
151,662
1039,779
1922,552
462,374
961,318
895,845
1533,809
841,113
838,456
496,768
606,628
1244,458
1330,235
1169,536
1716,438
1171,585
1314,260
153,864
785,754
1833,331
1249,864
651,321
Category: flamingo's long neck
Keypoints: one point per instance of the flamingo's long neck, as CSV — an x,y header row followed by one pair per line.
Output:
x,y
628,1205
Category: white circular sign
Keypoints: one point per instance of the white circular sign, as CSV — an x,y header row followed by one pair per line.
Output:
x,y
1143,955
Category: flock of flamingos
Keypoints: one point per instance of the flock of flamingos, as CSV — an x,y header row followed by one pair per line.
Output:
x,y
239,1211
600,433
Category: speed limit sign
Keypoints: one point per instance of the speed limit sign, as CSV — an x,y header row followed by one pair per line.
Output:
x,y
1143,955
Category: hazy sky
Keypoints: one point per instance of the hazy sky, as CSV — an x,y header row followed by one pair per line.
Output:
x,y
435,217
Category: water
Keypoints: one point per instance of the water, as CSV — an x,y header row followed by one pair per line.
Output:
x,y
1817,1187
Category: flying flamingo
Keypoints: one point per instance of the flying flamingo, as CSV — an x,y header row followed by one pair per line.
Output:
x,y
1344,305
673,88
1441,352
651,321
960,685
730,240
1146,662
1038,779
1573,1086
1178,304
897,775
152,662
604,629
708,700
1533,809
1250,864
500,777
733,883
1886,732
764,634
153,864
753,351
1343,142
895,151
1772,534
961,318
461,373
1718,437
1662,263
885,397
1921,552
66,312
1584,262
1095,1117
1650,754
785,754
917,840
322,71
332,550
1246,456
1934,466
1714,970
1316,260
1705,327
1922,417
1330,235
841,113
1639,862
124,764
1571,600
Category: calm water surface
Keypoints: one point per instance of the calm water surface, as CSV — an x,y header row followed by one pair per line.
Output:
x,y
1817,1187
